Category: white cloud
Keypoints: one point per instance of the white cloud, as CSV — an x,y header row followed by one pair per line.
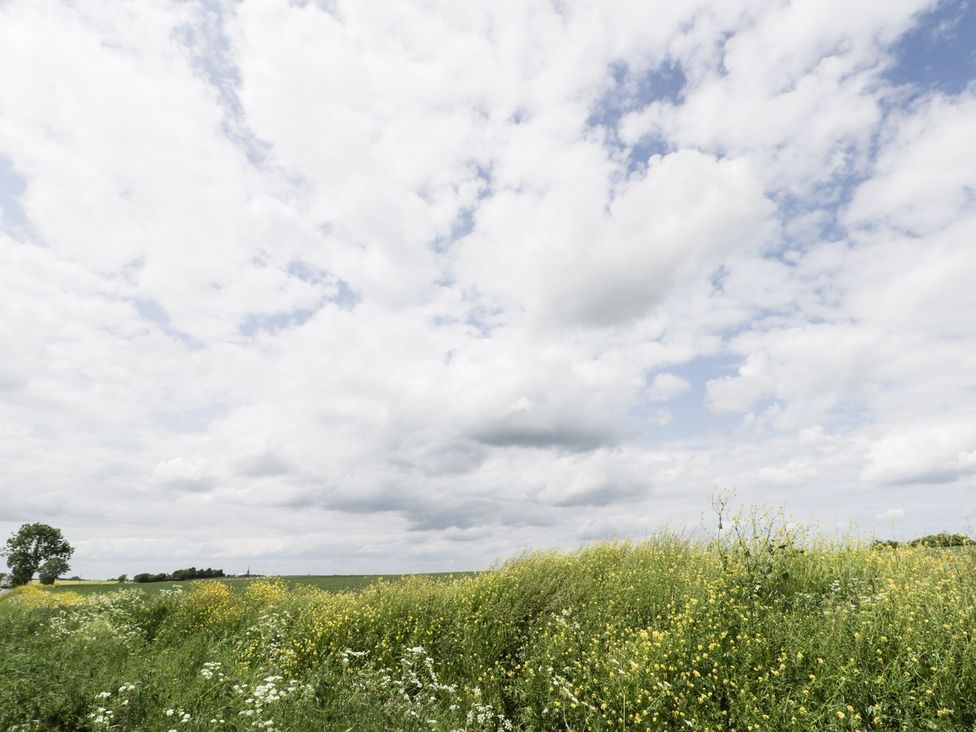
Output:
x,y
812,369
401,286
667,386
184,474
937,452
574,255
791,88
924,178
890,514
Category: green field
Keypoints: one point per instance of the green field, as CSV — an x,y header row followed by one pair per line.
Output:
x,y
747,634
329,583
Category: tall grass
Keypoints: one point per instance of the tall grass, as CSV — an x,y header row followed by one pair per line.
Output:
x,y
753,632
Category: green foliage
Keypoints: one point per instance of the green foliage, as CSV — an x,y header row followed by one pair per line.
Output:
x,y
194,573
143,577
51,569
942,540
179,575
762,628
32,545
332,583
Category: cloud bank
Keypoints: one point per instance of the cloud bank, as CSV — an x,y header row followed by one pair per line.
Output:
x,y
343,287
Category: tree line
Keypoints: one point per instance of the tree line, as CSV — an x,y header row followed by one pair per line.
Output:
x,y
41,549
937,541
179,575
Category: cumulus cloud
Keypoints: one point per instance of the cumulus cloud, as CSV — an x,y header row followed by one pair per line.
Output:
x,y
399,286
182,474
572,255
890,514
923,179
923,453
667,386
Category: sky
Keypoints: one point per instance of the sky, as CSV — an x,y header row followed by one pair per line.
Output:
x,y
343,287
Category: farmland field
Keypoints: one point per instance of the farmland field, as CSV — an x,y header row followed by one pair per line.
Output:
x,y
666,634
329,583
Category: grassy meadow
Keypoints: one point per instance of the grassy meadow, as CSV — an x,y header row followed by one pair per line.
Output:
x,y
667,634
329,583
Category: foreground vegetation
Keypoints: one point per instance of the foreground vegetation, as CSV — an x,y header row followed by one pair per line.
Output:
x,y
330,583
753,634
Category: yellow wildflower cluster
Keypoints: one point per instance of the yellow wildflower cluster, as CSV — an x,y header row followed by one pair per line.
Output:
x,y
32,596
210,603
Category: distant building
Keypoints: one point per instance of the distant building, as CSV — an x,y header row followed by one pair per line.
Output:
x,y
4,580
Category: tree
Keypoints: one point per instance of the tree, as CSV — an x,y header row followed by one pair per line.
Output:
x,y
52,569
123,578
943,540
33,545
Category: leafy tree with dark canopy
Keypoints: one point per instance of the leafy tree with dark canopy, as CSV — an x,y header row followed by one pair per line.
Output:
x,y
37,547
51,569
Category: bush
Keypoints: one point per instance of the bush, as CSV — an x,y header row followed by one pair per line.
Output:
x,y
942,540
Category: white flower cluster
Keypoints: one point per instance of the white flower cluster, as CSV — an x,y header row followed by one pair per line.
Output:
x,y
110,614
482,715
211,669
104,716
269,691
182,716
267,639
422,695
349,655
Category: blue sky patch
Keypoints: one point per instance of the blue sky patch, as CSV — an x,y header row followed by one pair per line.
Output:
x,y
939,53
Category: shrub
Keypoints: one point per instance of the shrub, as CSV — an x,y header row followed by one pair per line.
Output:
x,y
942,540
